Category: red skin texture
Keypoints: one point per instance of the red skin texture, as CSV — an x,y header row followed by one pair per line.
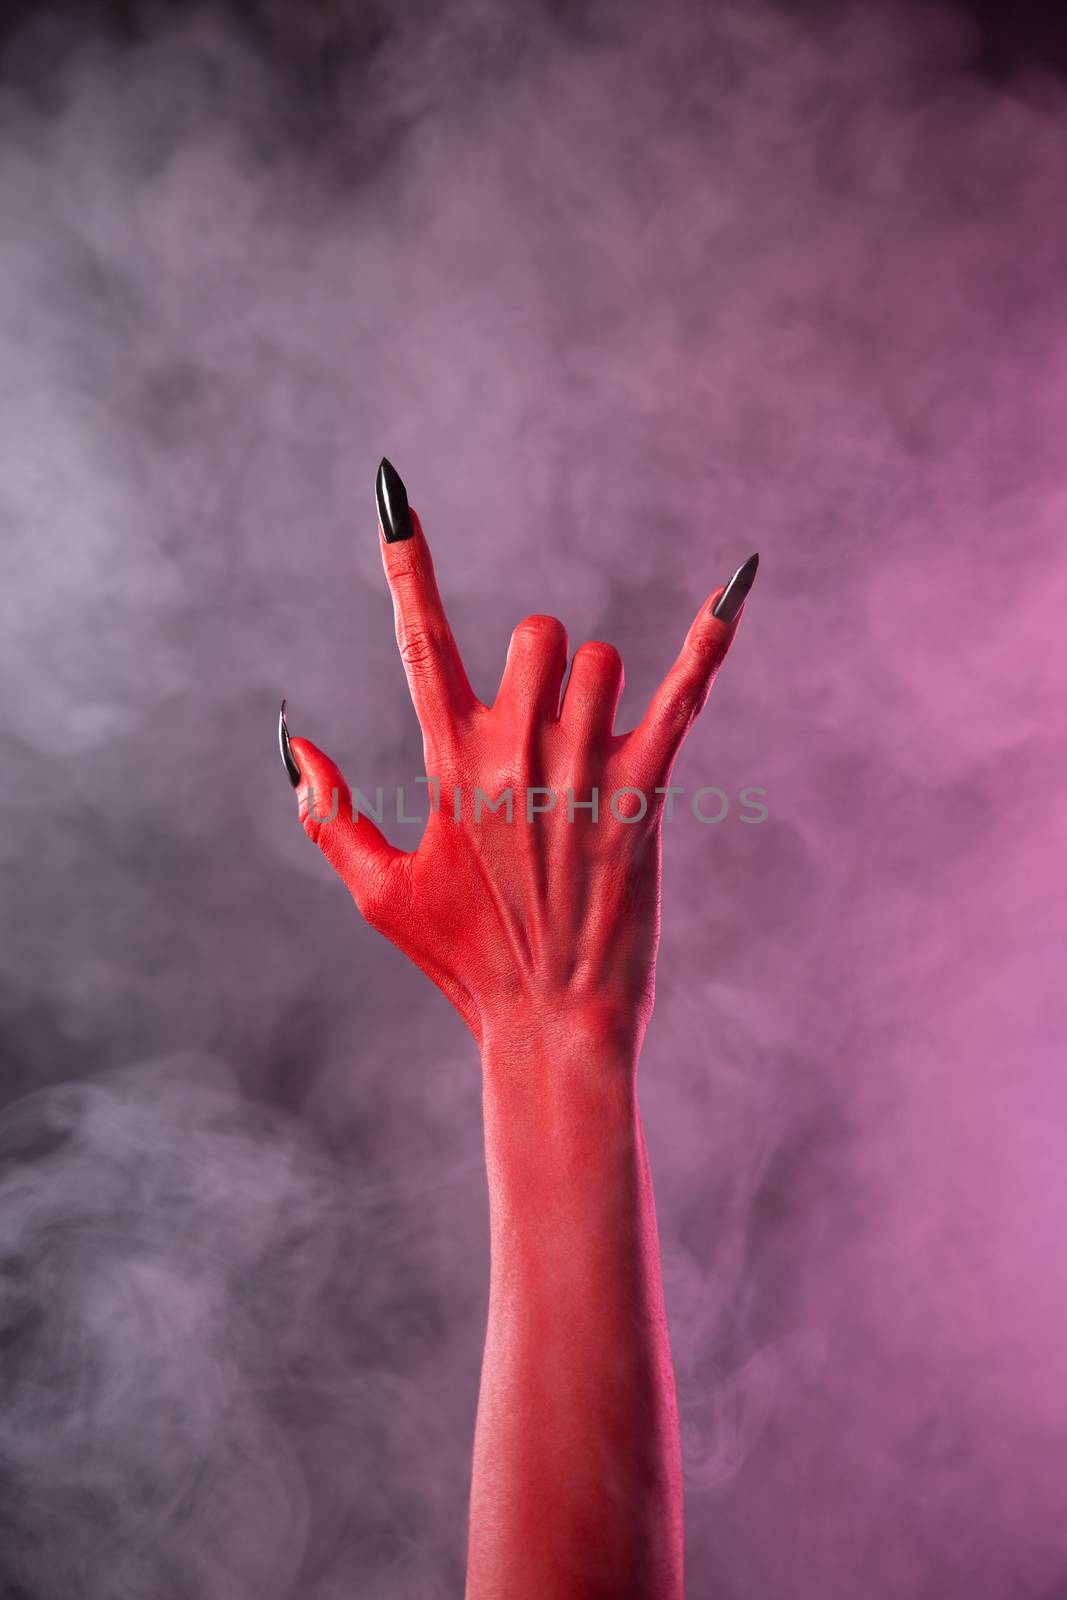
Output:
x,y
543,934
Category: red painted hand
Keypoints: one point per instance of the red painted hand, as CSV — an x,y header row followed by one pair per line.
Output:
x,y
555,892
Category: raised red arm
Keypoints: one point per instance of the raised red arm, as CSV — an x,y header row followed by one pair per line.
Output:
x,y
539,920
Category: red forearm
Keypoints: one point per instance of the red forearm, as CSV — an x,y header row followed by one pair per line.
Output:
x,y
576,1488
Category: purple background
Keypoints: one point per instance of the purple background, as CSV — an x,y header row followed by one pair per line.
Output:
x,y
625,293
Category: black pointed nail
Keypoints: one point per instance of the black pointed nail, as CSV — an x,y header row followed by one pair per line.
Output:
x,y
733,596
286,749
392,500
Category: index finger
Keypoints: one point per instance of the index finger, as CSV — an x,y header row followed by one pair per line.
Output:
x,y
440,690
680,698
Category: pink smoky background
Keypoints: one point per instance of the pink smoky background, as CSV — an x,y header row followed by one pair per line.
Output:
x,y
625,293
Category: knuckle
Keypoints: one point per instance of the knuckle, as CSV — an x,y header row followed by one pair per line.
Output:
x,y
599,654
318,808
405,569
418,645
675,714
700,699
540,631
703,658
508,775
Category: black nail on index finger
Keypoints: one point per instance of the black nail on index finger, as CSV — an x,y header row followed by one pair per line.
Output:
x,y
392,500
733,596
286,749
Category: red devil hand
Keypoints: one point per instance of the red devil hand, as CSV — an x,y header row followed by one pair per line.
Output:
x,y
536,882
533,902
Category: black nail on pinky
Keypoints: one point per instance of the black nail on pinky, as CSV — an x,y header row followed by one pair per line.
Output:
x,y
392,500
286,749
733,596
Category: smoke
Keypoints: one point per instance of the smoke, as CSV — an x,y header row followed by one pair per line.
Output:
x,y
624,296
197,1306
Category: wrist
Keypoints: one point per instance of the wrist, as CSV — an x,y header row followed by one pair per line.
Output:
x,y
560,1111
562,1035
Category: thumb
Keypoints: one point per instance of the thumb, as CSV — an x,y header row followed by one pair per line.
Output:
x,y
361,856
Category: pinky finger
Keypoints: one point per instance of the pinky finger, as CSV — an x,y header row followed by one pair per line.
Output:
x,y
681,696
